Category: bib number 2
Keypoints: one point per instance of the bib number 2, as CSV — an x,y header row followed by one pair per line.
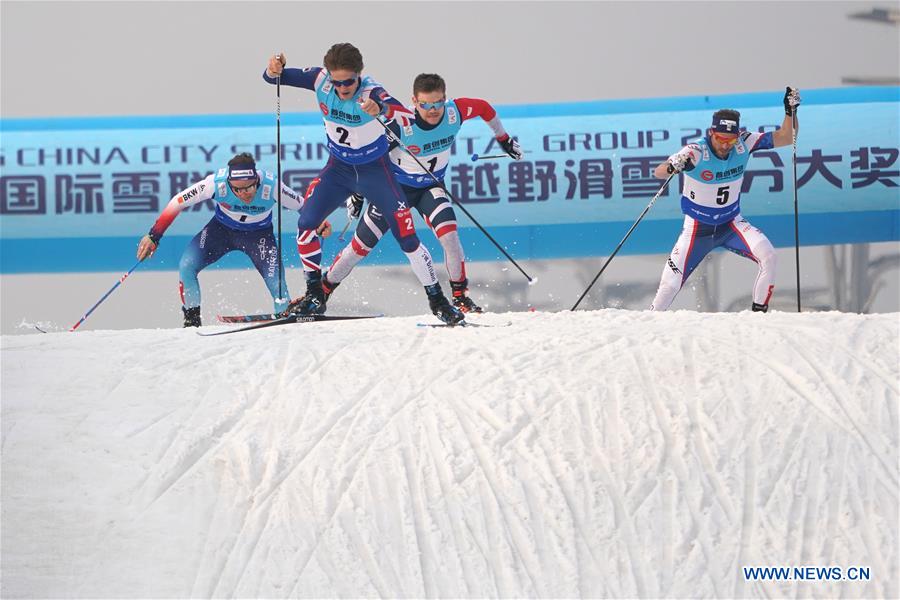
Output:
x,y
345,133
405,221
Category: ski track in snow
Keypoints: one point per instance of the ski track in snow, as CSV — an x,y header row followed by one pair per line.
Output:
x,y
591,454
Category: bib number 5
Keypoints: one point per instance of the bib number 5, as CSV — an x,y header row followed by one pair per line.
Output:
x,y
722,195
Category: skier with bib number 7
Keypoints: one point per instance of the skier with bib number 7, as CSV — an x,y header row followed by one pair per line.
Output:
x,y
431,136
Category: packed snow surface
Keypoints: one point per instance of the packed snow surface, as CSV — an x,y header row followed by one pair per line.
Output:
x,y
590,454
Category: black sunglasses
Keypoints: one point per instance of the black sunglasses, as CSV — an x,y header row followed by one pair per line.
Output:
x,y
343,82
245,188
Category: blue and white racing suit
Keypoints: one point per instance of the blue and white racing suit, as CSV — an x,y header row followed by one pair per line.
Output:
x,y
710,201
358,163
236,225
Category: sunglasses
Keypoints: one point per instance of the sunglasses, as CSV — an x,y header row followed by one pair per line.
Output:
x,y
245,188
725,139
343,82
432,105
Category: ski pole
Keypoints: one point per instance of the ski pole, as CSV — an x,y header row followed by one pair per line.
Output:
x,y
344,230
608,260
485,157
278,162
796,206
106,295
395,139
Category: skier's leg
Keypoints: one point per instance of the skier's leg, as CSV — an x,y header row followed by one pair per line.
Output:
x,y
379,186
370,229
691,247
750,242
209,245
328,191
259,245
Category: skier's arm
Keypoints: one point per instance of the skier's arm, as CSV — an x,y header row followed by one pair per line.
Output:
x,y
199,192
469,108
301,78
785,135
476,107
290,199
394,126
387,106
683,160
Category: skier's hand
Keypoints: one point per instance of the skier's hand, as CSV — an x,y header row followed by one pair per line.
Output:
x,y
370,107
791,101
146,247
276,65
354,206
324,229
511,147
680,161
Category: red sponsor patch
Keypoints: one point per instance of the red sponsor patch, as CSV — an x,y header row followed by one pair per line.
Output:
x,y
323,108
707,175
405,221
414,149
312,187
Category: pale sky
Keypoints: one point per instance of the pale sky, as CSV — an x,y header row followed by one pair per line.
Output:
x,y
167,58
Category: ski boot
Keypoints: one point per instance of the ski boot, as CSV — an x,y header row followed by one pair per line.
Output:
x,y
311,303
461,300
759,307
441,307
191,316
328,287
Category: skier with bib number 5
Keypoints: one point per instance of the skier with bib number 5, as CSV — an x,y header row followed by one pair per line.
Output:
x,y
713,168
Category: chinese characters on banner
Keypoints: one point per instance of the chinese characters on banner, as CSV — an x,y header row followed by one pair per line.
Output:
x,y
493,182
579,168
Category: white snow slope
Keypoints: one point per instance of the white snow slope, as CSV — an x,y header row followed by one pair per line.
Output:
x,y
590,454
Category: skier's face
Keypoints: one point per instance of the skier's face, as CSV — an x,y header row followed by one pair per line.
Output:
x,y
244,189
345,82
430,106
722,143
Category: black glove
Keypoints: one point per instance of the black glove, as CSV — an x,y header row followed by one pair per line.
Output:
x,y
354,206
512,148
791,101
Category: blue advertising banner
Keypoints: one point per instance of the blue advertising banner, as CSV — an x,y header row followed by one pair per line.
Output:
x,y
77,194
